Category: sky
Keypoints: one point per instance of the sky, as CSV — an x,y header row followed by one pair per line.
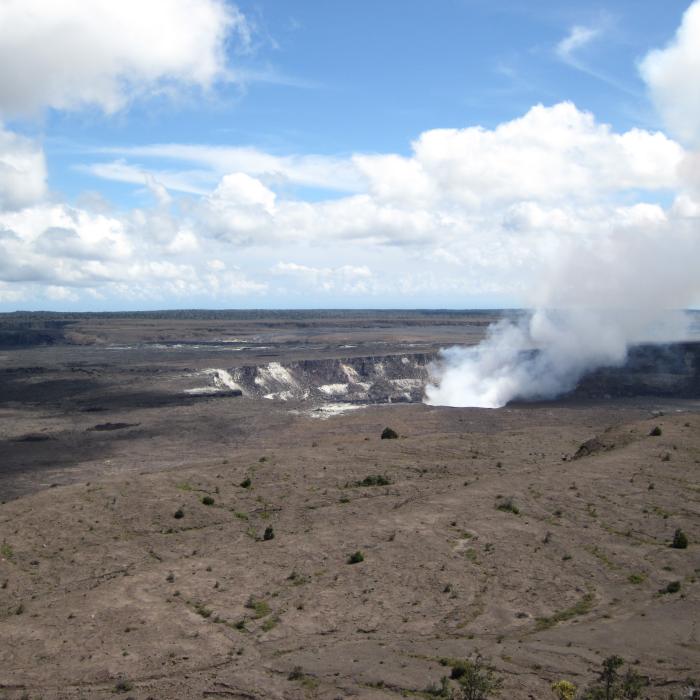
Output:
x,y
333,154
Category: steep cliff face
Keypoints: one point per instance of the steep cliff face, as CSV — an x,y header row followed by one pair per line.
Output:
x,y
380,379
651,370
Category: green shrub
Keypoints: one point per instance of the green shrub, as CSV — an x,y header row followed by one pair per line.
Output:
x,y
179,513
123,686
672,587
389,434
356,557
564,690
374,480
246,483
680,540
269,533
202,610
208,501
508,506
260,608
655,431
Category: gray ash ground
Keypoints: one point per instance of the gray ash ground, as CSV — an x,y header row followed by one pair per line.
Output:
x,y
102,588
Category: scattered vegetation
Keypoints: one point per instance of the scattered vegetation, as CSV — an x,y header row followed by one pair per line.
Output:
x,y
270,623
123,685
6,551
207,500
680,540
564,690
389,434
374,480
637,578
260,607
474,681
613,686
356,557
655,431
508,505
297,579
581,608
672,587
202,610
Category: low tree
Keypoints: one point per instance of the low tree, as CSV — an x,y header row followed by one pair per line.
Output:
x,y
476,680
612,686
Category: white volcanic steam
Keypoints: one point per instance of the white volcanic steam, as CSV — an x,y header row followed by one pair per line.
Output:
x,y
596,298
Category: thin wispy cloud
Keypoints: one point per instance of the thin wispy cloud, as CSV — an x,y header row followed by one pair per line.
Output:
x,y
578,37
571,48
213,162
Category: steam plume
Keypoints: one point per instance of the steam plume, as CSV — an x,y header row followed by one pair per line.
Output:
x,y
597,298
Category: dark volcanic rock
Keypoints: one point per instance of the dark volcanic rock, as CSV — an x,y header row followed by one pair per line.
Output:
x,y
35,437
591,447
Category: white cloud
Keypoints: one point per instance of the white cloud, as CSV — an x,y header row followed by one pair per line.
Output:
x,y
22,171
551,153
673,77
577,38
469,212
346,279
69,55
214,162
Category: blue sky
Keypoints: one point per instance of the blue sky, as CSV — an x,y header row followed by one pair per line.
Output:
x,y
273,161
370,76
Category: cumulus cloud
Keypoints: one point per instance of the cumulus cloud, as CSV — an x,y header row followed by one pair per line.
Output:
x,y
469,211
22,171
67,55
672,74
347,279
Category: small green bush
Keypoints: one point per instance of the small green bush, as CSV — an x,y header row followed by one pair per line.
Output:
x,y
680,540
269,533
672,587
655,431
178,514
246,483
389,434
260,607
123,686
508,506
208,501
564,690
356,557
374,480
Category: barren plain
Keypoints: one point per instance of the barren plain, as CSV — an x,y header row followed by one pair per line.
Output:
x,y
166,531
